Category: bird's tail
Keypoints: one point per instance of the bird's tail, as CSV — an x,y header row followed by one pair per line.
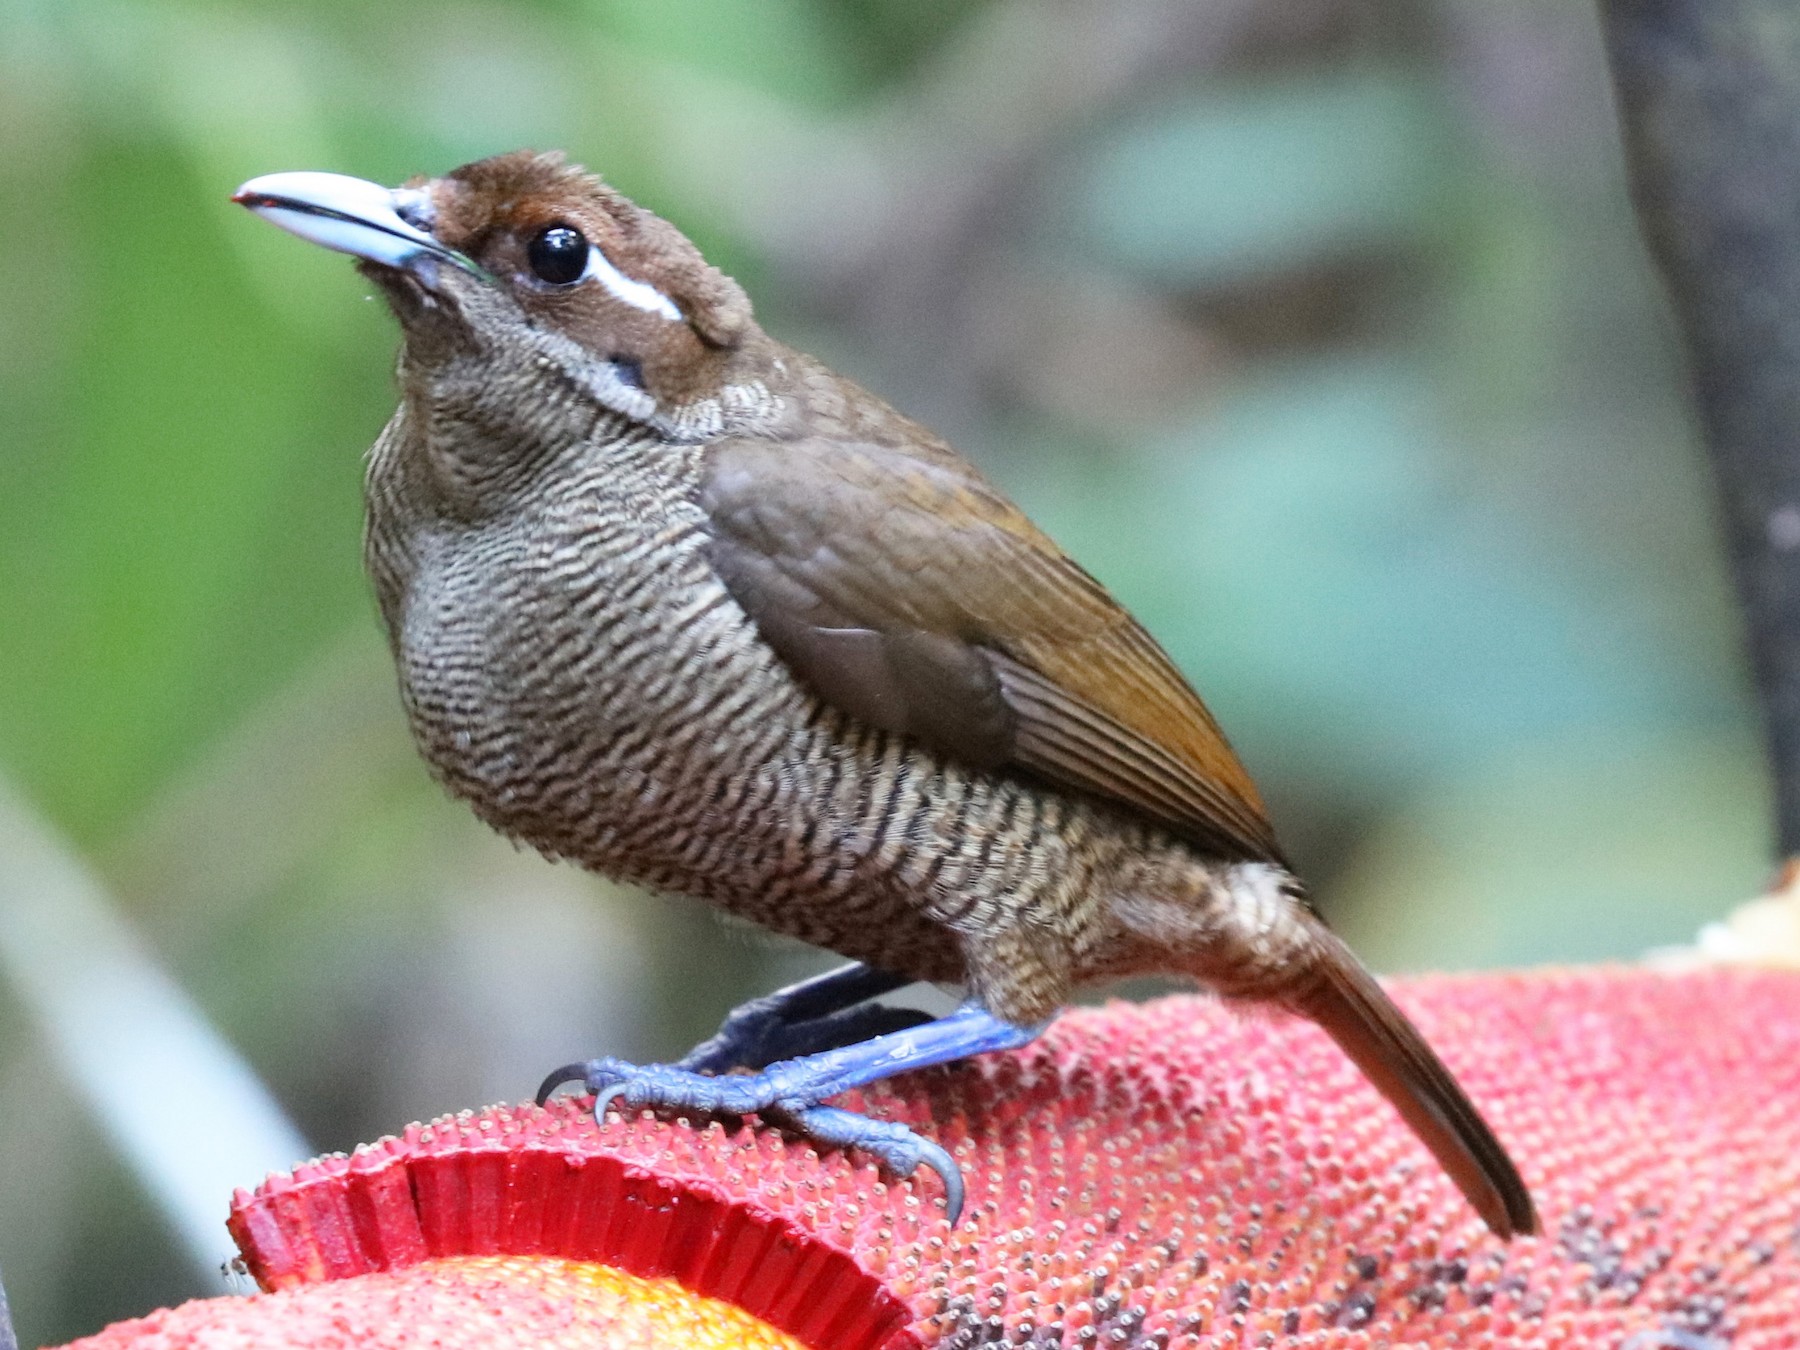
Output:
x,y
1344,999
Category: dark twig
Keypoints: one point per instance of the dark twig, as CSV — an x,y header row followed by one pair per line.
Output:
x,y
1709,93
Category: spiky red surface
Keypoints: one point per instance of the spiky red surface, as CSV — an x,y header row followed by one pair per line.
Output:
x,y
1175,1175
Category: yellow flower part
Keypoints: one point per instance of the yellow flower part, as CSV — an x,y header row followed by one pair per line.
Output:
x,y
463,1303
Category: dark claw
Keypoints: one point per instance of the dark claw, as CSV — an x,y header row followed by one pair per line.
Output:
x,y
605,1097
569,1073
899,1150
938,1159
594,1076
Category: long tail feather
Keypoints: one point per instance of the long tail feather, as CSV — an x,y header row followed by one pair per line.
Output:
x,y
1357,1013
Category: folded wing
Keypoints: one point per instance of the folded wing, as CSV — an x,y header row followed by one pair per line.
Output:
x,y
909,593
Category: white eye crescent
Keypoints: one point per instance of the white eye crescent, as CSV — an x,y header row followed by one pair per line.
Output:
x,y
638,294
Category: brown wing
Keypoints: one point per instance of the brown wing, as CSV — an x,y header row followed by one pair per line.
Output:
x,y
906,591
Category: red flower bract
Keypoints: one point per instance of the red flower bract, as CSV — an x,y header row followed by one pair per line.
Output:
x,y
1167,1175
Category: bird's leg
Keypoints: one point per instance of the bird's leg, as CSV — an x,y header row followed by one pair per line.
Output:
x,y
803,1019
790,1091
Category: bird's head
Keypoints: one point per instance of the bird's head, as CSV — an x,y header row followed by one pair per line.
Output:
x,y
526,267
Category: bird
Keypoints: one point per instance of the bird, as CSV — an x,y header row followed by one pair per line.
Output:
x,y
675,601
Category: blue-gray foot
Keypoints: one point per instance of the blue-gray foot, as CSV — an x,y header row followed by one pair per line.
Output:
x,y
822,1013
790,1091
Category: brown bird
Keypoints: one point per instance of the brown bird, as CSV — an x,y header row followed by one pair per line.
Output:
x,y
676,601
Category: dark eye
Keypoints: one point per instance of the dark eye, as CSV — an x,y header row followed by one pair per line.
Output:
x,y
557,254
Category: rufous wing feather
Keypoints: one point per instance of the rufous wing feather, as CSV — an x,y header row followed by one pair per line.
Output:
x,y
908,592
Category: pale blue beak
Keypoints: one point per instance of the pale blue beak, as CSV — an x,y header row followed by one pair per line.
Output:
x,y
353,216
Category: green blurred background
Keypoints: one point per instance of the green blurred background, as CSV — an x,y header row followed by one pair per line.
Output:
x,y
1319,329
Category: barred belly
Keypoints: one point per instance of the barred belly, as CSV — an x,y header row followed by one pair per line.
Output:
x,y
607,701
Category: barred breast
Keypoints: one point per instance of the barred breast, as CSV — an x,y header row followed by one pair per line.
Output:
x,y
576,670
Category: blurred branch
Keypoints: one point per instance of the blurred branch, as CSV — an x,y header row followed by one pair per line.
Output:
x,y
186,1113
964,152
1709,94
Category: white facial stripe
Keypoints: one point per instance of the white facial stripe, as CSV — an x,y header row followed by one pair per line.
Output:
x,y
638,294
600,378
